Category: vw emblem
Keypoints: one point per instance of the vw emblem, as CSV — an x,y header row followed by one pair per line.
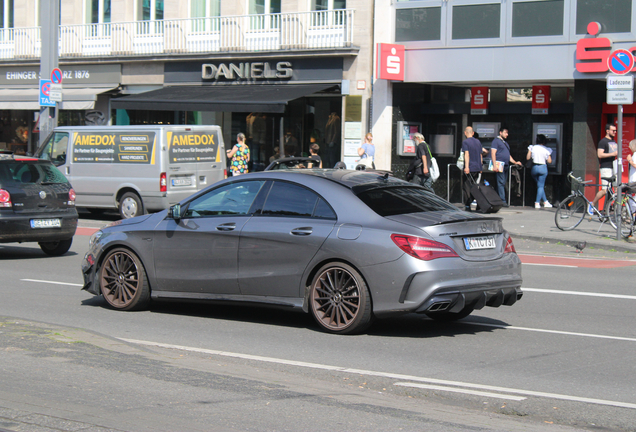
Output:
x,y
42,194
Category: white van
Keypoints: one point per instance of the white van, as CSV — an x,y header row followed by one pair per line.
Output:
x,y
136,169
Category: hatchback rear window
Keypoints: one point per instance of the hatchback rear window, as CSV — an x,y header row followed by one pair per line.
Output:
x,y
23,172
390,201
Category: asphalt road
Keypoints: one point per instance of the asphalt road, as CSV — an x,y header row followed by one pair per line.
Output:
x,y
560,359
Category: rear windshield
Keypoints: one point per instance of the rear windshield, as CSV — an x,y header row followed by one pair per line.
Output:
x,y
28,172
390,201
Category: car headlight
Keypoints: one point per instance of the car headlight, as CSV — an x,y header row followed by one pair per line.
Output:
x,y
95,237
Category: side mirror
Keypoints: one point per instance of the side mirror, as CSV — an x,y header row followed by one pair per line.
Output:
x,y
174,212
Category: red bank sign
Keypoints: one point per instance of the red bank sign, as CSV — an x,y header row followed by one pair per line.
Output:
x,y
390,62
592,53
478,100
540,99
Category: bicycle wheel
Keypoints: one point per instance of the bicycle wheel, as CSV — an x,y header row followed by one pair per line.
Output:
x,y
570,213
626,212
610,210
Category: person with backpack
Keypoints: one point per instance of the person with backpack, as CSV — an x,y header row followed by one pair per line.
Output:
x,y
422,175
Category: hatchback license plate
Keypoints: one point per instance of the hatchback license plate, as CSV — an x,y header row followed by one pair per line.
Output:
x,y
185,181
474,243
46,223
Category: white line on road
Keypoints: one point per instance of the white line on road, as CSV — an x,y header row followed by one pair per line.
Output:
x,y
459,390
580,293
395,376
589,335
52,282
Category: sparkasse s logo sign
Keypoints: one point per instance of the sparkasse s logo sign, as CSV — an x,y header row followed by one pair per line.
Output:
x,y
592,53
390,62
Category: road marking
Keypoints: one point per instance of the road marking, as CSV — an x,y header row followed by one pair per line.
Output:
x,y
557,261
551,265
399,377
458,390
589,335
52,282
580,293
85,231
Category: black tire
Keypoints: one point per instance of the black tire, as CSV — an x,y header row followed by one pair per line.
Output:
x,y
451,316
123,282
339,299
130,205
570,213
57,248
624,211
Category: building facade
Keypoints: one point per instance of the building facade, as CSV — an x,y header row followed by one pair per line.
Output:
x,y
513,54
287,73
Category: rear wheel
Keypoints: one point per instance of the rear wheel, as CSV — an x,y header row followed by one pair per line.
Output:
x,y
130,205
570,213
451,316
123,281
339,299
625,213
57,248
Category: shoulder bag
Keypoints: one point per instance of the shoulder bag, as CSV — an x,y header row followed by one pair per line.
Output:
x,y
433,170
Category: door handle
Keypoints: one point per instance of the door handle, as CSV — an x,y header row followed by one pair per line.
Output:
x,y
226,227
304,231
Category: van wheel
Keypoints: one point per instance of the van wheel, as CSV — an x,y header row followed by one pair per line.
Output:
x,y
57,248
130,205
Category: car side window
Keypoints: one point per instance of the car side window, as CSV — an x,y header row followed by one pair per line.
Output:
x,y
230,199
55,149
287,199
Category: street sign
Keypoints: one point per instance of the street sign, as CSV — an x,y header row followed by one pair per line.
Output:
x,y
55,92
56,76
45,93
620,97
620,82
620,61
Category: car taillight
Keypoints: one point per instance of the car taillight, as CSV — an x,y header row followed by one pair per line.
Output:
x,y
510,247
163,183
5,198
422,248
71,195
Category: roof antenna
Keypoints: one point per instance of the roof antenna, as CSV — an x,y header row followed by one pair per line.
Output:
x,y
385,177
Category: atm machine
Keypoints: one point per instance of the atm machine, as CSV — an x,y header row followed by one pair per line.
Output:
x,y
554,133
487,133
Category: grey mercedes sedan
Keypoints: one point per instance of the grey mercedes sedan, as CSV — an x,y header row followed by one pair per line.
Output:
x,y
345,246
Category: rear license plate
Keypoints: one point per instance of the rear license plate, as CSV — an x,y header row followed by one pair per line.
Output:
x,y
474,243
46,223
185,181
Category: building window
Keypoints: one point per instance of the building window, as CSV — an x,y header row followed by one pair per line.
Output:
x,y
264,7
6,14
323,5
615,16
202,11
98,11
421,24
480,21
150,10
537,18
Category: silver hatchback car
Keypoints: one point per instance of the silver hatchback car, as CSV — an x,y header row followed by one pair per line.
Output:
x,y
345,246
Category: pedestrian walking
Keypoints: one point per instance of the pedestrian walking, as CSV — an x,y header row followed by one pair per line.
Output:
x,y
473,162
606,152
422,175
540,156
500,152
240,156
367,151
631,158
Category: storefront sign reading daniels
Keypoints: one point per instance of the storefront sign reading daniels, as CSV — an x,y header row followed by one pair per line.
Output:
x,y
247,71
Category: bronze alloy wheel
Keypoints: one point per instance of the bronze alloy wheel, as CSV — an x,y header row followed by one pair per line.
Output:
x,y
123,281
340,300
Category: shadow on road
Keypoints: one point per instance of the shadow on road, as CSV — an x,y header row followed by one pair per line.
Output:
x,y
20,253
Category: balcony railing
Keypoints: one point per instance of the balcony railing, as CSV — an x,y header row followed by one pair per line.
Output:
x,y
248,33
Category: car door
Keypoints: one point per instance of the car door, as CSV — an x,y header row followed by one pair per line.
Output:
x,y
199,252
277,243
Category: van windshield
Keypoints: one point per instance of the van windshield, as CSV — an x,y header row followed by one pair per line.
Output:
x,y
54,149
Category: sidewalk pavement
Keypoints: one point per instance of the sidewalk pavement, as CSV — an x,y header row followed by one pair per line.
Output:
x,y
538,225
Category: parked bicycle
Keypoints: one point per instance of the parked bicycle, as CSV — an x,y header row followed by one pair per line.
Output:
x,y
573,209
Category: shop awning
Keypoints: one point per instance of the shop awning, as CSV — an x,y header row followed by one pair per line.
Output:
x,y
73,98
234,98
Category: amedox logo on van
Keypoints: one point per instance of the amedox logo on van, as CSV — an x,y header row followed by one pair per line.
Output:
x,y
193,147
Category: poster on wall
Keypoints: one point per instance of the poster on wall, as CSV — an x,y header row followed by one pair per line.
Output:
x,y
351,147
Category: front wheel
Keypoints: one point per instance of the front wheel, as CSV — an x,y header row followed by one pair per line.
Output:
x,y
123,281
57,248
130,205
570,213
339,299
625,212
